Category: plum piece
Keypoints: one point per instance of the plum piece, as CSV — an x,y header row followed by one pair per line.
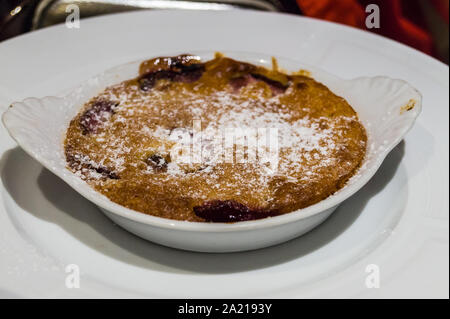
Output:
x,y
106,172
276,86
158,162
93,118
79,162
148,80
228,211
190,73
178,72
241,81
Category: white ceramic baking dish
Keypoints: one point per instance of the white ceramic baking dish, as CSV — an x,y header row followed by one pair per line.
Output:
x,y
387,107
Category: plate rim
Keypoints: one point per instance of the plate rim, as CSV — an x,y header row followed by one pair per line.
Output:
x,y
442,75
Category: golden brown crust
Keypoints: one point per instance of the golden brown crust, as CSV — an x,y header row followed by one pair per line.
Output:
x,y
121,141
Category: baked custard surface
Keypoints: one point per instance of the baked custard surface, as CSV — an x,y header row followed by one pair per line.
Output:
x,y
122,142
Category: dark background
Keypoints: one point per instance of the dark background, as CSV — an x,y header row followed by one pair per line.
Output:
x,y
421,24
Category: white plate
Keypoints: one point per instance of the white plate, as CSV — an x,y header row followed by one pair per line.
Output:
x,y
398,222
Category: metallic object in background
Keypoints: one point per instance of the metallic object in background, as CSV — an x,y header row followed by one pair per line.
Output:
x,y
50,12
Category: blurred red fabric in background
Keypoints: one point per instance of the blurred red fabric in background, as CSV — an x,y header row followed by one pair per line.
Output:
x,y
398,19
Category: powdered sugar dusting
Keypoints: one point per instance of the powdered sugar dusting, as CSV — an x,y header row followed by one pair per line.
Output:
x,y
314,141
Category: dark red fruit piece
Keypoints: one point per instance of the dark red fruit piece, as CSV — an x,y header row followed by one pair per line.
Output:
x,y
189,73
158,162
241,81
148,80
178,72
228,211
76,164
94,117
106,172
244,80
275,86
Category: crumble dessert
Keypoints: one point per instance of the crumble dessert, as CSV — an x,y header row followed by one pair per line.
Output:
x,y
160,143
